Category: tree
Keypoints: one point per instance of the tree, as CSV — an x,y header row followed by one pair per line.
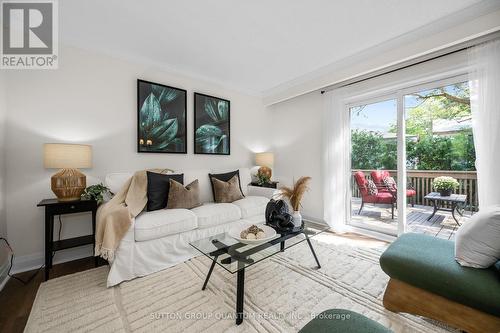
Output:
x,y
371,151
367,149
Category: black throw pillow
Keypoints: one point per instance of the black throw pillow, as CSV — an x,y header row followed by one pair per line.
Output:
x,y
225,177
158,186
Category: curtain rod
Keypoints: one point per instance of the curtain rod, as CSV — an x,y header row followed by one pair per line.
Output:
x,y
417,61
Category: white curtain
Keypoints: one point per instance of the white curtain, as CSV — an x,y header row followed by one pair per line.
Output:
x,y
484,81
335,159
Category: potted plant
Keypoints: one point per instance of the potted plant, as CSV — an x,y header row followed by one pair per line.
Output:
x,y
96,192
294,195
445,185
263,179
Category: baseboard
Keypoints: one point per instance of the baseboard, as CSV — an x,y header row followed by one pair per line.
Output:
x,y
314,219
4,282
34,261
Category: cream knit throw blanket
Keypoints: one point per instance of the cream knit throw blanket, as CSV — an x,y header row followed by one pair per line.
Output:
x,y
115,216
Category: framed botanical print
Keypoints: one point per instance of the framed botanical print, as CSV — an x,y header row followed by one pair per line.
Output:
x,y
161,118
211,125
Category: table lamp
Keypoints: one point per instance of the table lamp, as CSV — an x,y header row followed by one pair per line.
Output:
x,y
68,183
266,163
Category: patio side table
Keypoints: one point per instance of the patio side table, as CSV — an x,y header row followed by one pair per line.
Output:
x,y
457,203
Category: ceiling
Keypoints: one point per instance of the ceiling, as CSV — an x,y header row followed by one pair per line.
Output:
x,y
251,46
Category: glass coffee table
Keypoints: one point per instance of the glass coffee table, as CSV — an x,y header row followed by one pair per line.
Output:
x,y
234,256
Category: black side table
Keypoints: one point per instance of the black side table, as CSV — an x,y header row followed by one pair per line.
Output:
x,y
54,207
271,184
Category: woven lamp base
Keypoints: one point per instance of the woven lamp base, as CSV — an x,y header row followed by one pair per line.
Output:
x,y
68,184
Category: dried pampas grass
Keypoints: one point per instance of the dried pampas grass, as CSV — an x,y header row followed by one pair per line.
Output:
x,y
294,194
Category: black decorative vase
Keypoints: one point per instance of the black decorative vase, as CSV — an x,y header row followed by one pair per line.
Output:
x,y
445,193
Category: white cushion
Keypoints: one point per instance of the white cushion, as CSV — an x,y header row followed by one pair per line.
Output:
x,y
212,214
163,222
477,241
203,183
115,181
252,206
245,179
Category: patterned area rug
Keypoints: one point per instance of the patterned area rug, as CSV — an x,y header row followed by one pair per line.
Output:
x,y
282,294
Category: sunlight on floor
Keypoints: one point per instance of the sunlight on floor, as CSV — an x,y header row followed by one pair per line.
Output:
x,y
350,239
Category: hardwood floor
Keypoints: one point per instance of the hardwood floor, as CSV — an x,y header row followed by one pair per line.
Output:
x,y
16,298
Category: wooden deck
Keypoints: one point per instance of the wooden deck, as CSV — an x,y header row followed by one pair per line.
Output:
x,y
442,225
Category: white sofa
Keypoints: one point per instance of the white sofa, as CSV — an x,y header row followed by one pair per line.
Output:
x,y
160,239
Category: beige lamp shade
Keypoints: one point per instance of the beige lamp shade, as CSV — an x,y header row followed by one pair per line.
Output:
x,y
264,159
67,156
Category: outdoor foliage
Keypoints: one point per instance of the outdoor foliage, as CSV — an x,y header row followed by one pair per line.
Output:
x,y
428,151
371,151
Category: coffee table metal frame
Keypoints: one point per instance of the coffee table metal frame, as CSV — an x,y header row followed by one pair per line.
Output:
x,y
244,261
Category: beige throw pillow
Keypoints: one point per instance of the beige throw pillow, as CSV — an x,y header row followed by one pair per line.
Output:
x,y
183,197
477,241
227,191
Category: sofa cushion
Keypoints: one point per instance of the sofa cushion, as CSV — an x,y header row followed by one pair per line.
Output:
x,y
224,177
115,181
252,206
211,214
477,242
164,222
203,181
227,192
158,187
183,197
429,263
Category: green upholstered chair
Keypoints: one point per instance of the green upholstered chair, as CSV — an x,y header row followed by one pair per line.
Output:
x,y
426,280
342,321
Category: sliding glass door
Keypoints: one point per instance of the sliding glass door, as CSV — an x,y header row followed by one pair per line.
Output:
x,y
399,144
373,161
440,143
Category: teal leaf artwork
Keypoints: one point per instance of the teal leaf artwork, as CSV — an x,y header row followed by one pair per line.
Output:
x,y
211,125
162,118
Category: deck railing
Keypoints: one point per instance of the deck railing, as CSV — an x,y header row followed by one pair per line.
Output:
x,y
421,181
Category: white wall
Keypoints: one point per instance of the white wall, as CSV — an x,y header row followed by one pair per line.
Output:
x,y
3,113
4,254
91,99
297,143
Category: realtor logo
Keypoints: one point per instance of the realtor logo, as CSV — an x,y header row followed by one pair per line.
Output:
x,y
29,34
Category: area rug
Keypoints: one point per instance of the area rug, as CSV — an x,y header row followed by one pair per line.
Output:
x,y
282,294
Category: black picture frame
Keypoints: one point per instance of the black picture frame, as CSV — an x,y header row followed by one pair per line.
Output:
x,y
172,144
218,120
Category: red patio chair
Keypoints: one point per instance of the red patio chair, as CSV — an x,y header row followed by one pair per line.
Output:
x,y
382,197
378,178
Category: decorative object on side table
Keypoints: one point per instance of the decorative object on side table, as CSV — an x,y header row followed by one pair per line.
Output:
x,y
294,195
96,192
277,217
211,125
161,123
53,207
445,185
262,172
69,183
